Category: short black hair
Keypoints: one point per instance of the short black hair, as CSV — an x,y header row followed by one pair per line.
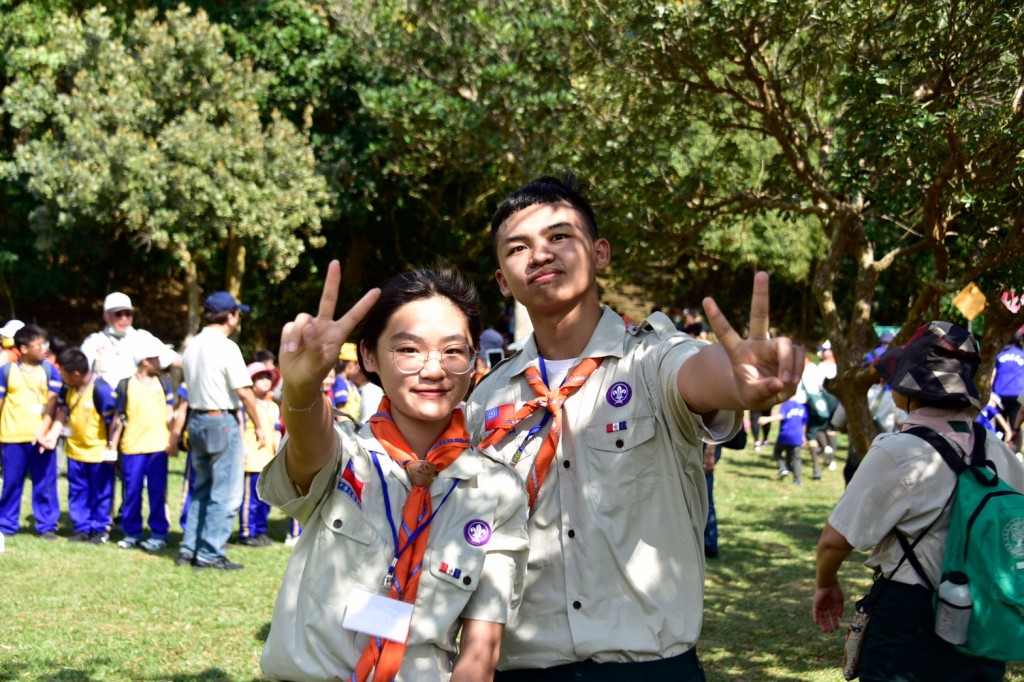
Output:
x,y
263,355
219,317
73,360
544,190
27,334
441,280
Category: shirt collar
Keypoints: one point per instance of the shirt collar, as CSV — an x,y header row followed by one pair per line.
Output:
x,y
608,340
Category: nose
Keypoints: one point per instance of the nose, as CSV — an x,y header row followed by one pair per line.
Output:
x,y
541,254
432,365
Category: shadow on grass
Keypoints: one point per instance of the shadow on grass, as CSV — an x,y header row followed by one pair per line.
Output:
x,y
99,669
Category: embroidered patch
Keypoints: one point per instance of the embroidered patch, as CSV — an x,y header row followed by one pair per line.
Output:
x,y
619,394
496,416
616,426
350,485
477,532
450,570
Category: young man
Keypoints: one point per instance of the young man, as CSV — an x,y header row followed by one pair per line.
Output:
x,y
28,399
86,406
614,470
218,385
142,436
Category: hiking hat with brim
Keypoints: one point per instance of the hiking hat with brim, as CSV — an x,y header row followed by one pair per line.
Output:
x,y
938,364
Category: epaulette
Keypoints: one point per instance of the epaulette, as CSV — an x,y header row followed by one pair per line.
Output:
x,y
658,323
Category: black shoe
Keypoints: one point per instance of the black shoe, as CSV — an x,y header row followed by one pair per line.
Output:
x,y
80,536
183,559
99,538
263,541
249,541
221,563
49,535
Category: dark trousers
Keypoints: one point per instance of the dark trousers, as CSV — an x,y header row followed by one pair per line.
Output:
x,y
900,644
682,668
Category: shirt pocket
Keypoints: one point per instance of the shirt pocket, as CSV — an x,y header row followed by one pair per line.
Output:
x,y
347,550
455,573
624,462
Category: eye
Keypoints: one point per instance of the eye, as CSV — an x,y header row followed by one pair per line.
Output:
x,y
408,350
516,248
457,351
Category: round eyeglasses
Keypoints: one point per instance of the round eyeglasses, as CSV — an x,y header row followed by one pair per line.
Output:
x,y
409,358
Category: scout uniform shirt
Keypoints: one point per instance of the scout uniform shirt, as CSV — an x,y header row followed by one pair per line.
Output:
x,y
146,415
616,568
473,566
90,410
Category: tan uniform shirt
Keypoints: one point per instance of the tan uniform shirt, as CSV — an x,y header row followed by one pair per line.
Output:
x,y
904,483
616,569
347,542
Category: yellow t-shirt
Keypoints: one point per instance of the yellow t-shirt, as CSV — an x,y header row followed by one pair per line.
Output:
x,y
146,415
256,457
25,390
89,412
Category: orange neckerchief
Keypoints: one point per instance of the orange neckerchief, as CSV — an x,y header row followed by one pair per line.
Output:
x,y
552,401
384,655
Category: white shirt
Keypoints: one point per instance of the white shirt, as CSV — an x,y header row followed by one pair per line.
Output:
x,y
214,370
113,358
370,395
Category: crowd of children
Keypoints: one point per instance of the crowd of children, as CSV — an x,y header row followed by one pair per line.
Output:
x,y
55,400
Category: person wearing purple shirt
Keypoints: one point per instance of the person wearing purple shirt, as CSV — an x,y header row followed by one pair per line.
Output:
x,y
1008,382
792,437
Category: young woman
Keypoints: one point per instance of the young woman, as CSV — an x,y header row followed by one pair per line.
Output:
x,y
410,533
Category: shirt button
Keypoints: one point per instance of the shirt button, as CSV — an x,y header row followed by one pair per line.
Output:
x,y
619,443
337,523
566,464
576,605
467,580
572,533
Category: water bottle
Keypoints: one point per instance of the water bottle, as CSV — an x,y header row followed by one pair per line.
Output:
x,y
953,608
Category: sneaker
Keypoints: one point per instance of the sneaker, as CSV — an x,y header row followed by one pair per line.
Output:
x,y
99,538
220,563
183,559
249,541
796,481
128,542
153,544
263,540
831,466
80,536
49,535
291,540
816,475
782,474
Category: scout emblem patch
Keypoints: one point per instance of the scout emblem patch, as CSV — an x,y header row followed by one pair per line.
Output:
x,y
477,532
619,394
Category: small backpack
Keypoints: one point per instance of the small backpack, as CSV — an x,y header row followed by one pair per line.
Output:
x,y
985,542
121,395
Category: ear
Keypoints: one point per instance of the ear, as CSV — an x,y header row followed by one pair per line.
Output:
x,y
502,284
602,253
369,358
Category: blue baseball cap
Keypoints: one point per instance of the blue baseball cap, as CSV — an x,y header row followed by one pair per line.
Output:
x,y
223,302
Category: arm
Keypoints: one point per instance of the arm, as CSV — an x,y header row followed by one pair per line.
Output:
x,y
709,457
833,549
177,427
478,651
736,373
248,399
48,414
49,439
309,349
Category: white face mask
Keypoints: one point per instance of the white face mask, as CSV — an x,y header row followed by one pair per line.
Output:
x,y
113,332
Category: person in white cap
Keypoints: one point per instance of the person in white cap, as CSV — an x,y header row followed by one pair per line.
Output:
x,y
9,352
111,351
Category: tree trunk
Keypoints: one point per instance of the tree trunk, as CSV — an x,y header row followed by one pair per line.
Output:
x,y
235,267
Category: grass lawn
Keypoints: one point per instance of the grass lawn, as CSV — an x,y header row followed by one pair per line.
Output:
x,y
73,612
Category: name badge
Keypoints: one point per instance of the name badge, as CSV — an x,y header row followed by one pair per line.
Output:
x,y
39,409
66,432
375,614
109,456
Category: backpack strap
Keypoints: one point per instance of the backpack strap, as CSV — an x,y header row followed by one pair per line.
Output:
x,y
122,397
953,457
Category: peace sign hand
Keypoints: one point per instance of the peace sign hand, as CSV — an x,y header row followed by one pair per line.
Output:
x,y
766,371
310,345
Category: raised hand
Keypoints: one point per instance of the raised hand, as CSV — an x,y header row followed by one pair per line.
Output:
x,y
766,371
310,345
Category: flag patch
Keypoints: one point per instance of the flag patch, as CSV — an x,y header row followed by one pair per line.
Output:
x,y
450,570
350,484
495,416
615,426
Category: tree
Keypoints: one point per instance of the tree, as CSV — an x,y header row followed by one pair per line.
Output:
x,y
895,129
155,136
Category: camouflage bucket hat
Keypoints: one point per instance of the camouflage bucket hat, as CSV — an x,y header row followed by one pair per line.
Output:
x,y
938,363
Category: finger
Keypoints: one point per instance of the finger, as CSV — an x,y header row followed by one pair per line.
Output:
x,y
291,333
724,332
329,297
759,307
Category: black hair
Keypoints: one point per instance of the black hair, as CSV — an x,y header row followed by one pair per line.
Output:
x,y
27,334
73,360
442,280
263,355
218,317
544,190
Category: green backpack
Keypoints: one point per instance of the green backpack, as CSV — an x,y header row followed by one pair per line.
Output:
x,y
985,542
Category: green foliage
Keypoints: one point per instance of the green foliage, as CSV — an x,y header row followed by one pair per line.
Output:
x,y
156,135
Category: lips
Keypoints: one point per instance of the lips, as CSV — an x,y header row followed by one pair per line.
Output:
x,y
542,276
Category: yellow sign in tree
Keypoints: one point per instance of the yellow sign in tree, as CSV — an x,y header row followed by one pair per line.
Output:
x,y
970,301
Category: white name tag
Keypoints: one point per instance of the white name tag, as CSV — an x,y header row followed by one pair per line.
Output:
x,y
110,455
39,409
377,615
66,432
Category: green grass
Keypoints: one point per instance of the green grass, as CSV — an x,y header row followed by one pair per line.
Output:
x,y
74,613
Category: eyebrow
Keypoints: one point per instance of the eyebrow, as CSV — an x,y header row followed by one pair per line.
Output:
x,y
406,336
560,225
